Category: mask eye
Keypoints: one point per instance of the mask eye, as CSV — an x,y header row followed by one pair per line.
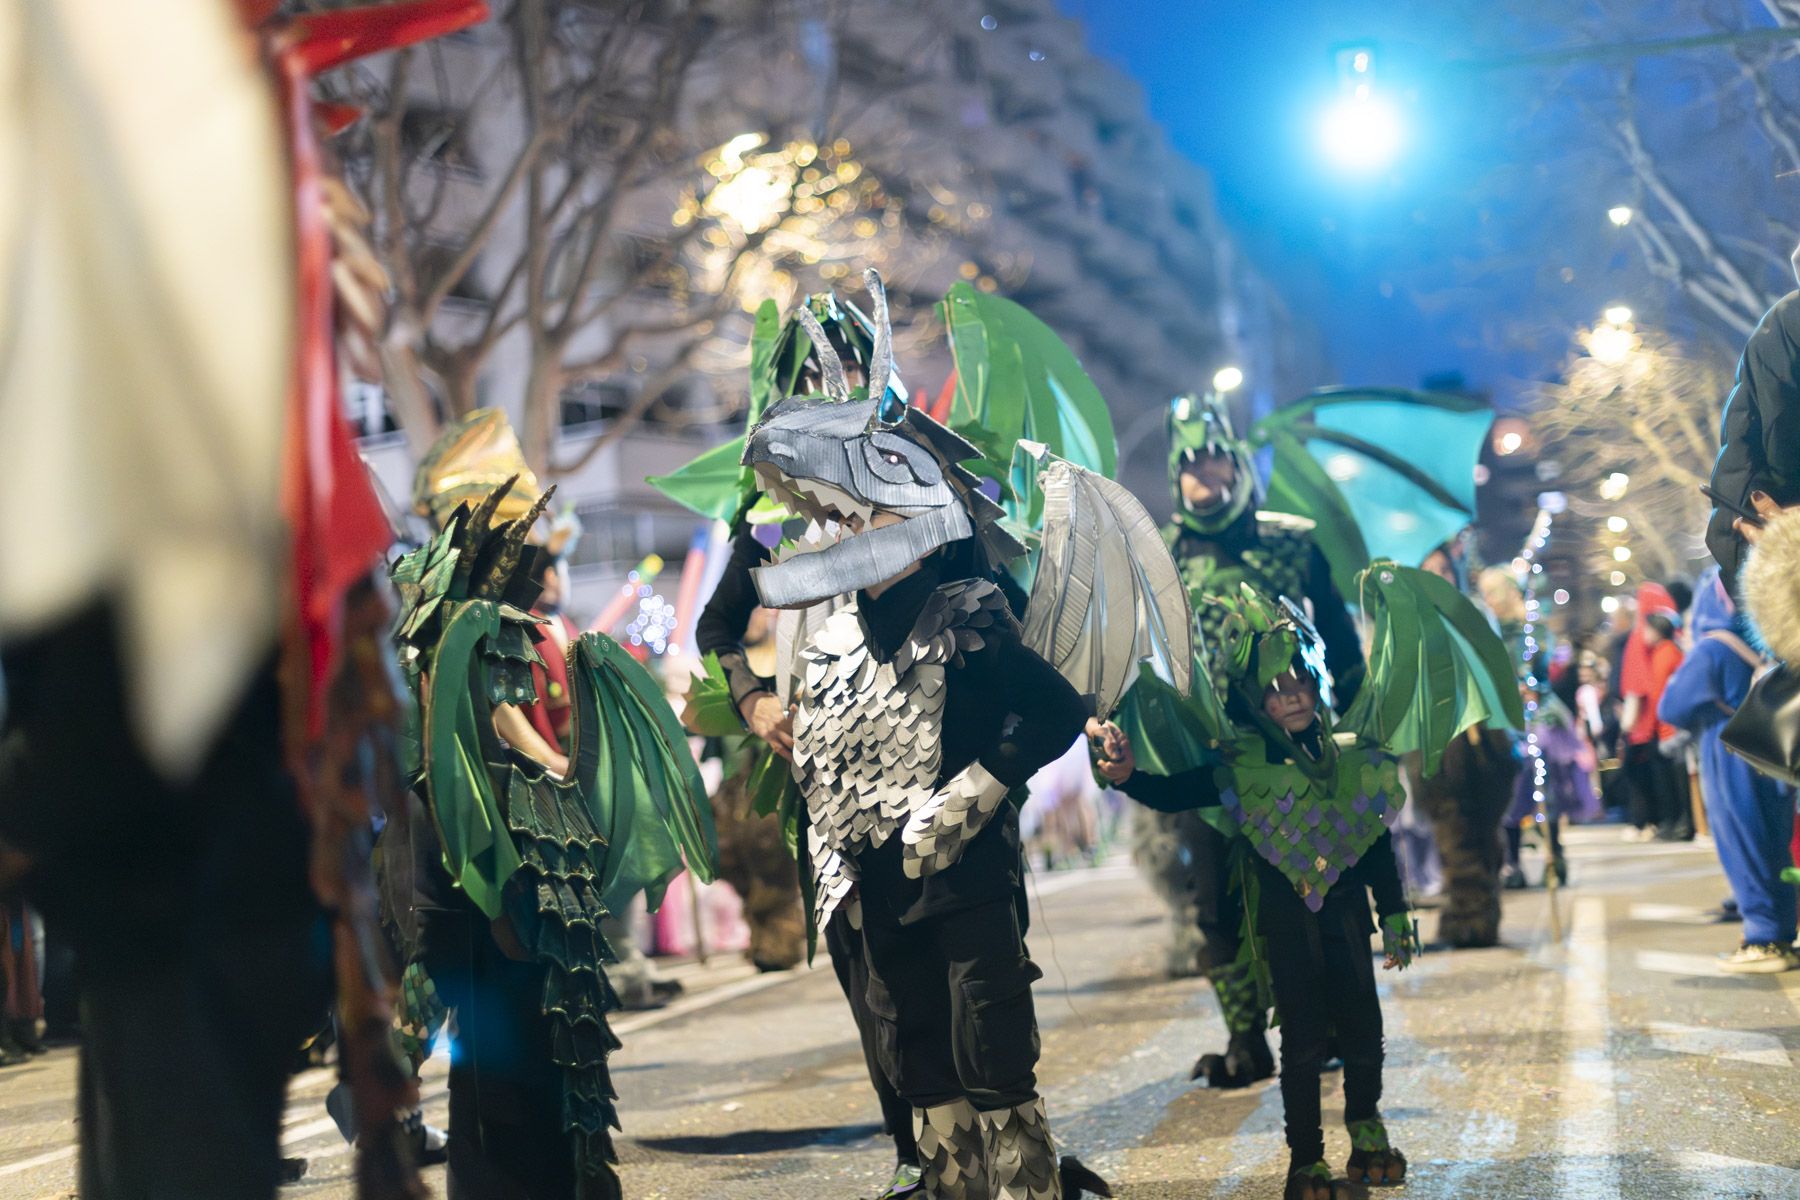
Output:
x,y
891,410
890,458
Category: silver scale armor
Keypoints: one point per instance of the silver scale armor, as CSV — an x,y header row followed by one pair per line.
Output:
x,y
868,741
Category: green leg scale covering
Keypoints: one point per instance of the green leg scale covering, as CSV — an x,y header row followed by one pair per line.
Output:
x,y
1239,1003
554,902
418,1015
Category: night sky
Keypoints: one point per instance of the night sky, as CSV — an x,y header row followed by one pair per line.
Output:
x,y
1486,243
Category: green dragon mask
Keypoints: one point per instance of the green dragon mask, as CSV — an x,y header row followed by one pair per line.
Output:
x,y
1200,426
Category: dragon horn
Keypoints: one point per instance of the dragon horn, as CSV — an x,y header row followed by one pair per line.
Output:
x,y
512,547
474,531
881,362
837,384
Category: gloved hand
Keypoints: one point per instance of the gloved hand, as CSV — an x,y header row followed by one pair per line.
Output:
x,y
1399,941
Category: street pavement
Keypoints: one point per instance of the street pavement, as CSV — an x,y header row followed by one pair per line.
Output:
x,y
1598,1054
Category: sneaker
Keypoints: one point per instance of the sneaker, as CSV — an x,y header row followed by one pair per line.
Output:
x,y
1766,958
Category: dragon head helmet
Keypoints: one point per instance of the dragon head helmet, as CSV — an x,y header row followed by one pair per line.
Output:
x,y
1200,428
1265,642
474,557
878,482
795,367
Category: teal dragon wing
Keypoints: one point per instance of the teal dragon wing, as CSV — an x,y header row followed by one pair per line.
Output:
x,y
1435,666
1016,380
1383,473
636,776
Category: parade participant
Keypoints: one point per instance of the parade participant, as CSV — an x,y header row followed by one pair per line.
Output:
x,y
1220,540
1309,799
790,365
921,710
519,864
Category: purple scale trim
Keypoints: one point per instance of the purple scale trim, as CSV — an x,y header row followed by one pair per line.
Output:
x,y
1360,804
1286,803
1312,818
1332,874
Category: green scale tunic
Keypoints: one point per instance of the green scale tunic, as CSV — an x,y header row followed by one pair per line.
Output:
x,y
1275,566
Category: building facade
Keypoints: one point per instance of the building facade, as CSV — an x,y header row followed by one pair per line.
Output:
x,y
1006,154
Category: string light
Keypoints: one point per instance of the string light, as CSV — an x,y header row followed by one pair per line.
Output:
x,y
1527,568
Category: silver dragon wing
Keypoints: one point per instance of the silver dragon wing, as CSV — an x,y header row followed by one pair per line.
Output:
x,y
1107,594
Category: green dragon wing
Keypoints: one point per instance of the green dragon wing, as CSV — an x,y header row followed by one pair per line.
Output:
x,y
1383,473
636,777
1171,733
1435,667
459,743
1016,380
715,484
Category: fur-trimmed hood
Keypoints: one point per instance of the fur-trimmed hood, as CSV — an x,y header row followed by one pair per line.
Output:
x,y
1770,585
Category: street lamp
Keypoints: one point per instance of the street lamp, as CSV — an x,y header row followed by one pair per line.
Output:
x,y
1361,132
1614,485
1227,379
1622,553
1618,314
1617,524
1611,344
1619,215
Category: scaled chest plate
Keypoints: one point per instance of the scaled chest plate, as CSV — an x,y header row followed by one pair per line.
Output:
x,y
868,739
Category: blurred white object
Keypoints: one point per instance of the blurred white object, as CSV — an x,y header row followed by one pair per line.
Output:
x,y
146,335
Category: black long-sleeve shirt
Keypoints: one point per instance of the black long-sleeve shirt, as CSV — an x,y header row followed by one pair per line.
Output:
x,y
1005,707
1281,909
720,627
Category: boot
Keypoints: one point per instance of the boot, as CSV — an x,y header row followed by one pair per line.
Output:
x,y
1021,1157
950,1151
1247,1060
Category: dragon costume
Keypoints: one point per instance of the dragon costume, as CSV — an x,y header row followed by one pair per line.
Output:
x,y
528,864
1346,487
1014,379
1307,799
922,705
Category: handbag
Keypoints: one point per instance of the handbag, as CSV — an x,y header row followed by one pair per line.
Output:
x,y
1765,730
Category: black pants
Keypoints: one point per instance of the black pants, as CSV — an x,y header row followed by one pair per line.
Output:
x,y
507,1140
1658,788
880,1053
954,993
1324,983
1219,906
201,957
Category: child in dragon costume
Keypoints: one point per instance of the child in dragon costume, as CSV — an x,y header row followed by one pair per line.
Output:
x,y
922,706
1308,800
517,864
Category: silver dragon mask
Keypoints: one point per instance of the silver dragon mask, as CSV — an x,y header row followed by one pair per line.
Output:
x,y
877,482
